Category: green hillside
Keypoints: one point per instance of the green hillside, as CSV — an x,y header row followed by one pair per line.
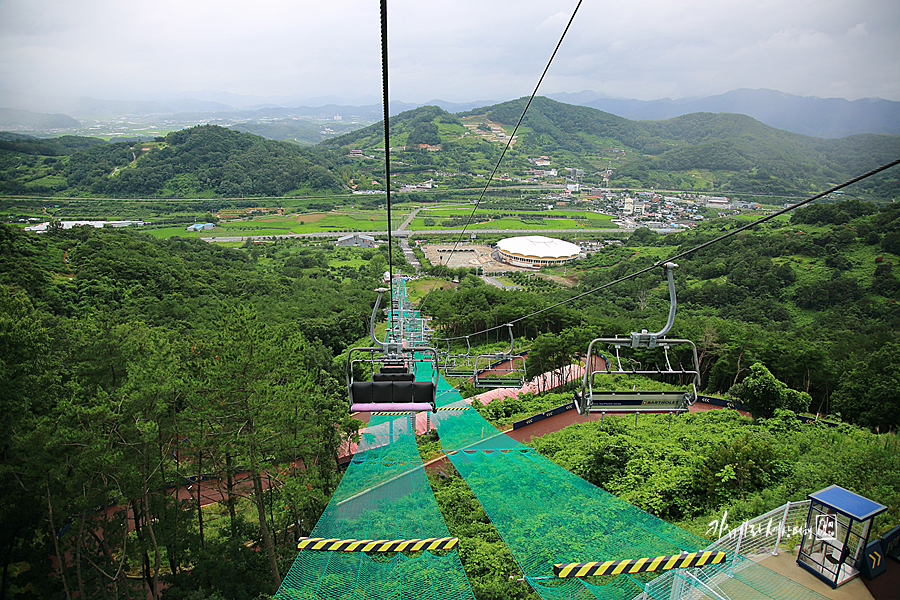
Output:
x,y
702,152
129,365
697,152
200,162
742,154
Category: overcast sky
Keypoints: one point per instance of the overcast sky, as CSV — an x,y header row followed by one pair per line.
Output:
x,y
454,50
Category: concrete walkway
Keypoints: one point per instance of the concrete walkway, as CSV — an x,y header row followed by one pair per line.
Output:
x,y
786,564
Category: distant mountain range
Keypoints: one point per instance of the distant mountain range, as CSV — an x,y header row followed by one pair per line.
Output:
x,y
700,152
13,119
697,152
817,117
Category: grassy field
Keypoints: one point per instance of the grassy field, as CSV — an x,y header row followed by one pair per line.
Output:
x,y
309,223
334,221
419,288
539,221
340,222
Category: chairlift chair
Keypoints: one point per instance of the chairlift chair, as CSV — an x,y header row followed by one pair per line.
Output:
x,y
393,364
462,365
500,370
641,401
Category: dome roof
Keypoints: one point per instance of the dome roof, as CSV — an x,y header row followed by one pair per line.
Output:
x,y
538,246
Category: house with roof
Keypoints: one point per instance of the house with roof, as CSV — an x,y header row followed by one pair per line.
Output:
x,y
356,240
200,226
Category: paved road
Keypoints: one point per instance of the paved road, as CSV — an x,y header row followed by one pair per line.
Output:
x,y
497,283
409,219
423,233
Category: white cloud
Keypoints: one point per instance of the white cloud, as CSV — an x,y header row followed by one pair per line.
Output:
x,y
794,39
457,50
858,31
555,23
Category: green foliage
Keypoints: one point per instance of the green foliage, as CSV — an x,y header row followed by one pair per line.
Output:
x,y
868,393
203,161
503,412
144,370
710,462
134,351
764,394
490,568
832,214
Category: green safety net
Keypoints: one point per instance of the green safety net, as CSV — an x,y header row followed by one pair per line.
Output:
x,y
739,578
383,495
546,515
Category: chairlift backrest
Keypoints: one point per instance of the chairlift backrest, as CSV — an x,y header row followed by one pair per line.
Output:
x,y
500,370
392,387
636,401
393,364
460,365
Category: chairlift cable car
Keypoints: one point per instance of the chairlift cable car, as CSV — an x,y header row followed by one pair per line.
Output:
x,y
466,369
393,363
634,401
500,370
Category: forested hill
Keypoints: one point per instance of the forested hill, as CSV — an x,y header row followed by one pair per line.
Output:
x,y
130,364
745,154
201,162
412,127
722,154
705,151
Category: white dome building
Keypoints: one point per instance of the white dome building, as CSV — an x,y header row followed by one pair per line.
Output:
x,y
536,251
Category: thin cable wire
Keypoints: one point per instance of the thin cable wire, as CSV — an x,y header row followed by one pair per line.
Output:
x,y
505,148
689,251
387,152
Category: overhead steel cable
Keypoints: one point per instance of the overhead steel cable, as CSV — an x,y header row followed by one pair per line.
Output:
x,y
387,152
505,148
696,248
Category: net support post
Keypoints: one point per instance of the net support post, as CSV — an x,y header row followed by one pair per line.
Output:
x,y
644,595
787,509
704,585
737,547
677,590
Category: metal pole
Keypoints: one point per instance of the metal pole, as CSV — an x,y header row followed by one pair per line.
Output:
x,y
701,582
644,595
737,548
787,509
677,591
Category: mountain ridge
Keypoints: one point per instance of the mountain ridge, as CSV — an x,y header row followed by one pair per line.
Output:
x,y
807,115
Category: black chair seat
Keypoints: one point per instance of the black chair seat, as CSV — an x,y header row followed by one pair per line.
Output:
x,y
393,392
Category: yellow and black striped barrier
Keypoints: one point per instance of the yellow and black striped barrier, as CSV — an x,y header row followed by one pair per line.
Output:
x,y
639,565
338,545
406,412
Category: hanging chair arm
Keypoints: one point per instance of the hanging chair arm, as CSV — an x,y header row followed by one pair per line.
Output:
x,y
381,292
648,340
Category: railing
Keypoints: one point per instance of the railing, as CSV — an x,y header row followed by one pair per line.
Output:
x,y
765,534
